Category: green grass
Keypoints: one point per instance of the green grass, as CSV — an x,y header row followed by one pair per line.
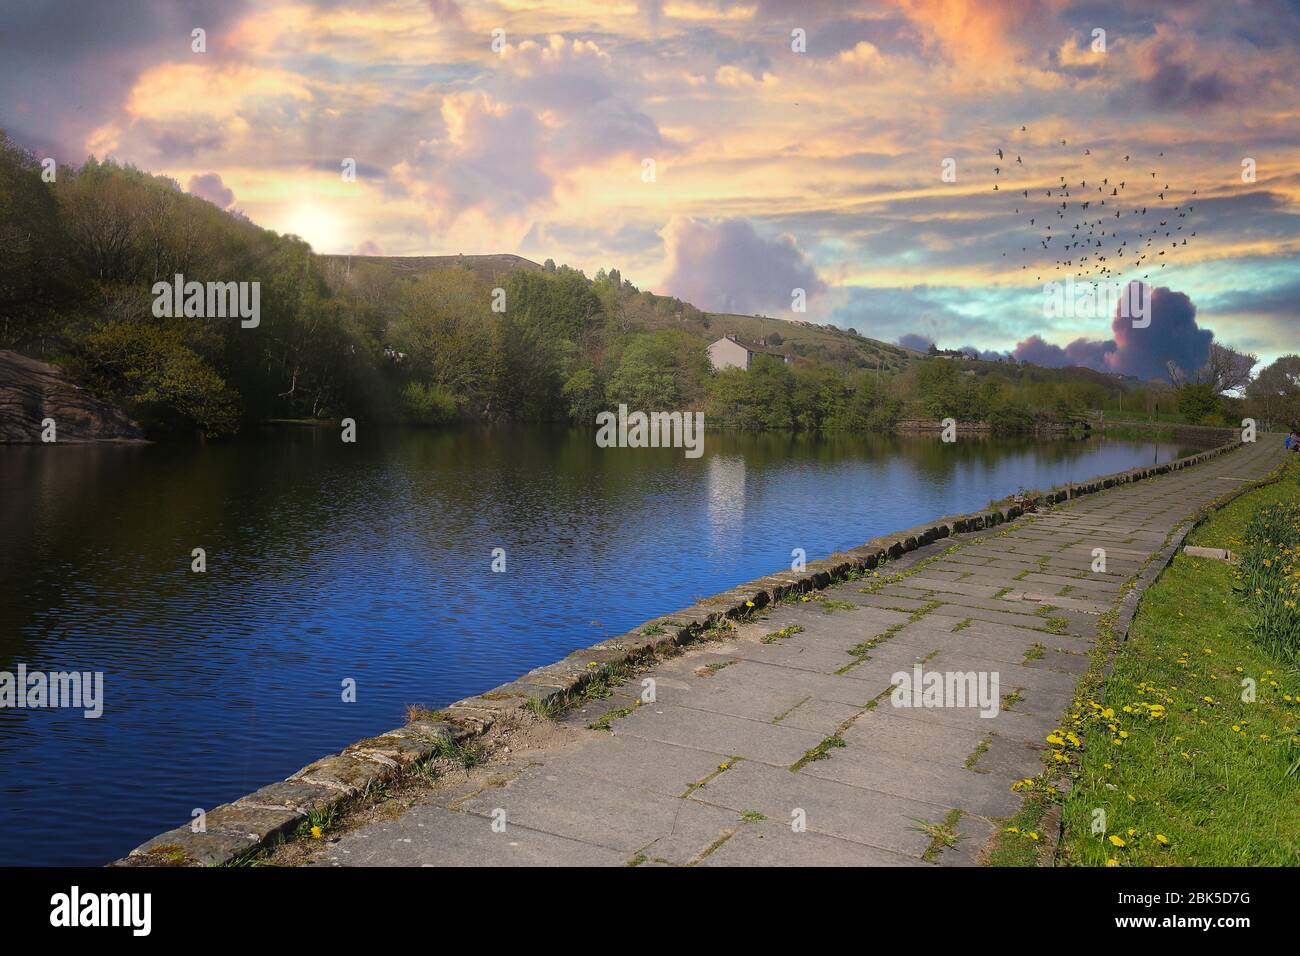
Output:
x,y
1133,433
1020,842
708,670
1194,763
605,721
980,749
1227,527
942,835
447,749
1135,415
820,752
322,818
788,631
831,607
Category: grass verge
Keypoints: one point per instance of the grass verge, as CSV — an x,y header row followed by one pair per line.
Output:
x,y
1192,746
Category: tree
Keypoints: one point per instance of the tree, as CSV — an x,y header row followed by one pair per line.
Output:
x,y
1226,369
34,278
757,399
1197,402
584,394
445,327
149,369
660,370
1274,395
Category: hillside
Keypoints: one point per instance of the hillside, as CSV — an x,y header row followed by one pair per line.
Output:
x,y
823,343
420,339
798,338
491,268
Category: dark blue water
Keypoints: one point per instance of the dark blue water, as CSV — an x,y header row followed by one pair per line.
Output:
x,y
373,562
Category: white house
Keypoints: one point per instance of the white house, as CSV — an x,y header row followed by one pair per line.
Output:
x,y
730,352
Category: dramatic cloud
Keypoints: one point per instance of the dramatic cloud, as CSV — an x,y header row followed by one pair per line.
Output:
x,y
68,65
1145,353
1037,351
535,147
446,11
980,31
916,342
727,266
486,156
210,187
1174,77
1172,337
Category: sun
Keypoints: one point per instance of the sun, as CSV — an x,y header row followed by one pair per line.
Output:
x,y
324,229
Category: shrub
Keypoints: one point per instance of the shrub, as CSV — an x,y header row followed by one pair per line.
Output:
x,y
1010,417
162,382
1270,574
429,404
1197,402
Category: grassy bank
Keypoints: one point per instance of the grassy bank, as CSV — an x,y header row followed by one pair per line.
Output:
x,y
1182,768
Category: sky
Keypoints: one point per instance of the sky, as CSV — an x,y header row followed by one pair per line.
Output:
x,y
733,152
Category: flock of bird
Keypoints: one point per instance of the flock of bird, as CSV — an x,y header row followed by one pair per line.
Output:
x,y
1109,221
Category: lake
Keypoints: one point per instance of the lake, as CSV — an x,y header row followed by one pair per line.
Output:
x,y
372,562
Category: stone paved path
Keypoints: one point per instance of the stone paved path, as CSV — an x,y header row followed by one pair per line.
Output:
x,y
651,789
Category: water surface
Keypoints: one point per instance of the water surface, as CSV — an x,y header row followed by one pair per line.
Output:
x,y
372,562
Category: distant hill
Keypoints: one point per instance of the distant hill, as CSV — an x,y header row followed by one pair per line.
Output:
x,y
491,268
810,340
798,338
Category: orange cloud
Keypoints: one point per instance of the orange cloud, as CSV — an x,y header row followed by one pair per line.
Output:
x,y
990,32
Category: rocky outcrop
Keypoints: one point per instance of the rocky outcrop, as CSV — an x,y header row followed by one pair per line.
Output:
x,y
32,391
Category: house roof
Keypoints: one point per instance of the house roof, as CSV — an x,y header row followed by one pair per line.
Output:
x,y
759,349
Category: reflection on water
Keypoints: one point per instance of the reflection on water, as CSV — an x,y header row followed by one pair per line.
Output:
x,y
726,500
373,562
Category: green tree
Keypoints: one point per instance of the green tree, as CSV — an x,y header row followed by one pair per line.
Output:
x,y
584,395
757,399
658,371
1197,402
160,381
